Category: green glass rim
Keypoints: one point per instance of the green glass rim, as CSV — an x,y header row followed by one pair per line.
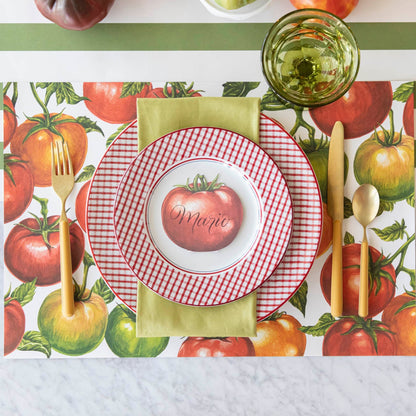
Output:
x,y
330,99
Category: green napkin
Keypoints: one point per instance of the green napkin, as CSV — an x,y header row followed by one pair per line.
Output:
x,y
157,316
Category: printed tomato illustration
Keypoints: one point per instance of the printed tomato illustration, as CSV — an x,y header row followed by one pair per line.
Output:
x,y
400,316
120,336
326,233
202,216
32,143
174,90
81,205
408,117
14,325
356,336
9,120
77,334
279,336
216,347
31,249
341,8
18,187
382,278
115,102
362,109
386,160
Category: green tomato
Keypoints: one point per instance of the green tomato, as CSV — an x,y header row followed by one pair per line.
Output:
x,y
77,334
121,336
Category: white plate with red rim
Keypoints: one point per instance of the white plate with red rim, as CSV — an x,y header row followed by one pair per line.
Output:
x,y
306,207
203,216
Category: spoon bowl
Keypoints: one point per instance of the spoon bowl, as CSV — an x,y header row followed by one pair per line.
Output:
x,y
365,205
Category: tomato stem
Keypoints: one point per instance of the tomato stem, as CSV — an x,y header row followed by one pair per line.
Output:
x,y
88,262
200,184
300,122
41,103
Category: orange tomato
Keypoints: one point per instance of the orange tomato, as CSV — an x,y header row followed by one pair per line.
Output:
x,y
35,148
403,323
280,337
326,233
341,8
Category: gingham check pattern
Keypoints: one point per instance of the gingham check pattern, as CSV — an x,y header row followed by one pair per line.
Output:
x,y
178,285
306,205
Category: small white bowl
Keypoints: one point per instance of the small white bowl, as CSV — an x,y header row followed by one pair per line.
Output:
x,y
242,13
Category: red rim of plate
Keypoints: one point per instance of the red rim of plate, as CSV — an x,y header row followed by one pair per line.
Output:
x,y
192,288
307,214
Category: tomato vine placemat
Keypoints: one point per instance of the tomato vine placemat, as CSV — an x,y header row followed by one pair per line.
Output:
x,y
379,149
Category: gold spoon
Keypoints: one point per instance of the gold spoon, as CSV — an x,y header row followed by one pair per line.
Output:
x,y
365,204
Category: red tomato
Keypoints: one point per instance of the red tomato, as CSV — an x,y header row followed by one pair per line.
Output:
x,y
81,205
32,250
408,117
14,325
9,120
362,109
18,187
354,336
341,8
386,160
382,278
216,347
36,147
106,102
161,92
202,216
400,316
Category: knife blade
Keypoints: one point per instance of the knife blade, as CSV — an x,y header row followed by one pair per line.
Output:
x,y
335,199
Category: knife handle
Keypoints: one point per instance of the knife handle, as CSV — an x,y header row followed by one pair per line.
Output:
x,y
336,276
363,293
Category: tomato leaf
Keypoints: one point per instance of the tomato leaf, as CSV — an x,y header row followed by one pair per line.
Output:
x,y
349,238
320,328
238,89
271,102
404,91
115,134
298,300
64,92
24,293
411,200
385,206
347,208
101,289
86,174
132,88
35,341
392,232
89,125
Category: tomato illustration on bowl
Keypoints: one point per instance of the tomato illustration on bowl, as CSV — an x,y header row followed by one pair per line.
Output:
x,y
202,215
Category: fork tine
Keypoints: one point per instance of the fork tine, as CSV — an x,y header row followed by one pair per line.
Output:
x,y
68,159
53,156
61,158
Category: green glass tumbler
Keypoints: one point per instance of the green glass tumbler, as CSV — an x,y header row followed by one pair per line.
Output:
x,y
310,58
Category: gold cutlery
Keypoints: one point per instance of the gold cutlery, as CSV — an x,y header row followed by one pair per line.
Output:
x,y
336,212
63,183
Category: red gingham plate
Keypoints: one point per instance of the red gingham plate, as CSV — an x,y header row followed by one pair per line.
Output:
x,y
175,255
306,206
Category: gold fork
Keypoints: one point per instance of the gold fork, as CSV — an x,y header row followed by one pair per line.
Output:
x,y
63,183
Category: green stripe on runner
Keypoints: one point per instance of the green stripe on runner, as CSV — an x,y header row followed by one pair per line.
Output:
x,y
180,36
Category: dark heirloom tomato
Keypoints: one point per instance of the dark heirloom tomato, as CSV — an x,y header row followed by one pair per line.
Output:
x,y
18,187
382,277
202,216
354,336
31,250
216,347
107,101
14,325
362,109
9,120
74,14
341,8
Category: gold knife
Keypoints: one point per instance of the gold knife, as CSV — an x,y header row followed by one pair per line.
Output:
x,y
336,211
